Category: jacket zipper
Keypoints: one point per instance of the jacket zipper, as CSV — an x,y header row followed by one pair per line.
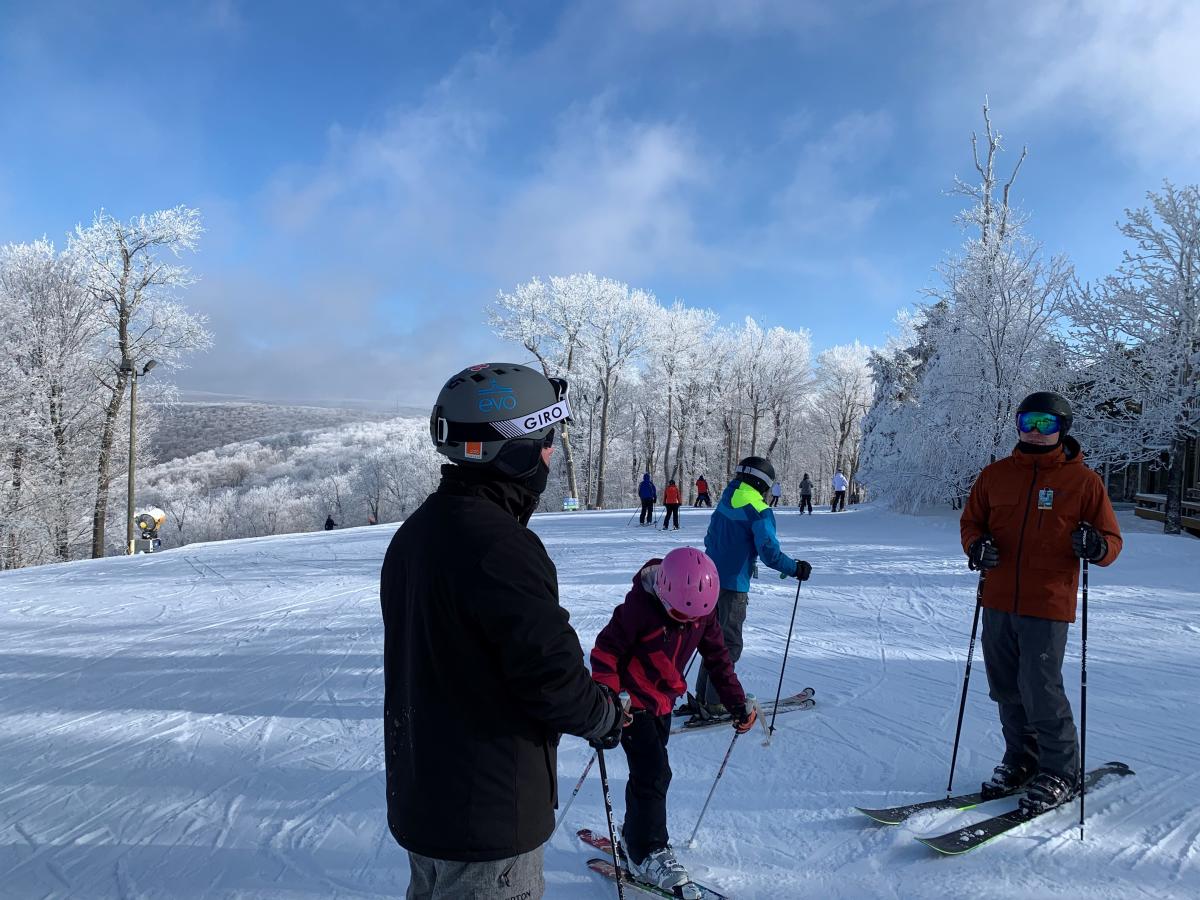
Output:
x,y
1021,540
674,653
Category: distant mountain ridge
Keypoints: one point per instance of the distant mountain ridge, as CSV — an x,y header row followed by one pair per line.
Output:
x,y
192,427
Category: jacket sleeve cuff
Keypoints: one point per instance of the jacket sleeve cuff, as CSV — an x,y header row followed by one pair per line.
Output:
x,y
605,724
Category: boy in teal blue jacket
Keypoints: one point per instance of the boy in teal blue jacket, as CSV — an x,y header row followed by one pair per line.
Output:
x,y
740,532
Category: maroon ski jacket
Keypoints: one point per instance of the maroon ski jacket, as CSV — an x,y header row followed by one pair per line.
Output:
x,y
642,650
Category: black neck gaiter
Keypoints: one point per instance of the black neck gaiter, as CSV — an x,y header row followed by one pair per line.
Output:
x,y
1038,449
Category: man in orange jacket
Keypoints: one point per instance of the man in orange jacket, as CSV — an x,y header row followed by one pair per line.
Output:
x,y
1030,518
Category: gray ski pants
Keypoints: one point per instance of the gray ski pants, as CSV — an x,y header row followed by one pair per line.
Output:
x,y
514,878
731,613
1024,657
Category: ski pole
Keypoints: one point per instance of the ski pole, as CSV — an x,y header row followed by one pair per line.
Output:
x,y
786,650
962,703
612,828
575,793
713,789
689,667
1083,697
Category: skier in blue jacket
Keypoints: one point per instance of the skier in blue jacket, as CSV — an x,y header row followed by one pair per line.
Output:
x,y
649,495
740,532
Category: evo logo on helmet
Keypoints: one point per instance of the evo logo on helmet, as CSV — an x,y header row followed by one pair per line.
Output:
x,y
496,398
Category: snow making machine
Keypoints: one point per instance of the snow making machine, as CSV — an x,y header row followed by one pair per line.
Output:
x,y
148,522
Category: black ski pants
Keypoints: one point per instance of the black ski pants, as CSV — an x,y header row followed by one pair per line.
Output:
x,y
645,744
704,500
731,613
774,500
806,503
647,515
672,511
839,499
1024,658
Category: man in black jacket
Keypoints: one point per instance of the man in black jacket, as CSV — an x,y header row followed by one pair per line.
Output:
x,y
482,668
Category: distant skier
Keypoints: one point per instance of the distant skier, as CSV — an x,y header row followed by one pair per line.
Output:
x,y
740,531
806,494
672,501
668,614
648,494
482,669
329,523
776,493
1029,520
839,490
702,497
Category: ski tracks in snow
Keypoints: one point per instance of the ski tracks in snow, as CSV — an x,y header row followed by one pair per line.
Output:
x,y
206,722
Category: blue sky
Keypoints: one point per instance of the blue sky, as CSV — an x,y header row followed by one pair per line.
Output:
x,y
371,173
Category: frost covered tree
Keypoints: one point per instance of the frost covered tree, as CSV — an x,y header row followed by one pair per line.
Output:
x,y
616,335
49,328
990,339
547,319
1137,333
681,341
843,394
127,270
664,390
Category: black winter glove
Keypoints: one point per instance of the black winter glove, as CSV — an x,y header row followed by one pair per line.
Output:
x,y
803,571
983,554
1088,543
612,738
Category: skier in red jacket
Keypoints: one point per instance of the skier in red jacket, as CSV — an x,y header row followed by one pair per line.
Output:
x,y
669,613
672,501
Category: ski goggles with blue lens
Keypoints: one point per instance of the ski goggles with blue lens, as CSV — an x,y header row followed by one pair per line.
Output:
x,y
1041,422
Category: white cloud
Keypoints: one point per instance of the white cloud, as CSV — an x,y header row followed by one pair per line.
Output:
x,y
821,197
609,196
1130,66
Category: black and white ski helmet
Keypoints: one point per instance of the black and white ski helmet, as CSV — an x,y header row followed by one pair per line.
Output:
x,y
1049,402
499,415
757,472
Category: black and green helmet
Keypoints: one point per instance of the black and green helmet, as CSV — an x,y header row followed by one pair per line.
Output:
x,y
499,415
757,472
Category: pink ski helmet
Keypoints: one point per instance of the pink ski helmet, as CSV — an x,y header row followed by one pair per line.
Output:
x,y
687,583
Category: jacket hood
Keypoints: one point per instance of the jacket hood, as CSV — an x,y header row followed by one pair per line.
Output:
x,y
644,579
510,495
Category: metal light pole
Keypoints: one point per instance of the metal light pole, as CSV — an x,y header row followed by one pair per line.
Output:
x,y
127,367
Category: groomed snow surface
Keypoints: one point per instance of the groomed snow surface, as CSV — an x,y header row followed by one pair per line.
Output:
x,y
206,722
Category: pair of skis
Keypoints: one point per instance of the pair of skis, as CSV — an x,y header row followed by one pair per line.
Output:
x,y
803,700
961,840
690,890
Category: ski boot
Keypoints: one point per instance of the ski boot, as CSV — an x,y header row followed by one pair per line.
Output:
x,y
1005,780
706,712
661,869
1047,791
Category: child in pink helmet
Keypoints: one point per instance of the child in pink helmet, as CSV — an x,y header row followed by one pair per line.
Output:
x,y
669,613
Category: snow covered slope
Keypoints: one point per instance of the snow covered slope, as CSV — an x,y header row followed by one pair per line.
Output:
x,y
206,722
